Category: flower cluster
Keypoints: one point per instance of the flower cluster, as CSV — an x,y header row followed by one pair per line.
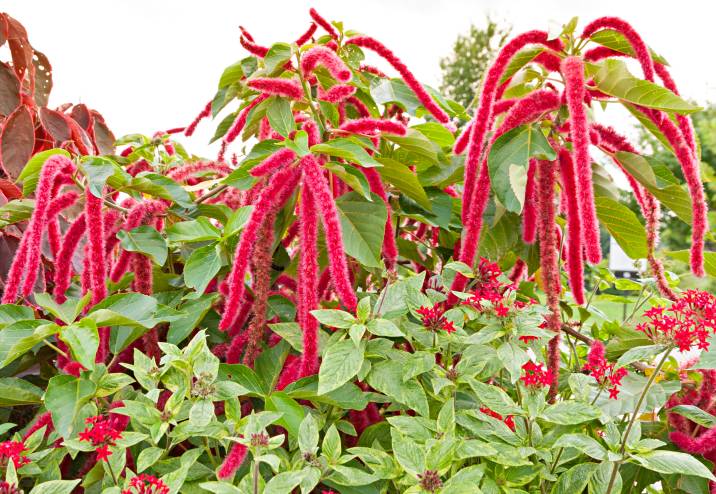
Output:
x,y
8,488
430,481
509,421
146,484
685,323
536,375
12,451
101,432
434,319
604,372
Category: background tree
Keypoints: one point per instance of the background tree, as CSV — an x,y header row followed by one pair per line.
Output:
x,y
462,70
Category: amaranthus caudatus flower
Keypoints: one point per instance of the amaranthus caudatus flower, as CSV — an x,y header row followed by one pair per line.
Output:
x,y
606,374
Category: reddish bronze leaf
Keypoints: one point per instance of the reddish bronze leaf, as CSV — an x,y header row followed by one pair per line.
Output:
x,y
82,116
55,124
104,138
9,189
17,141
43,78
9,90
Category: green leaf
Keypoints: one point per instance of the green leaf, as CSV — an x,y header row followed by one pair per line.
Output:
x,y
293,413
709,259
408,453
348,149
419,148
66,312
30,174
341,362
436,133
512,357
55,487
148,457
387,377
405,180
522,58
464,481
570,413
673,462
161,186
575,479
613,78
363,227
695,414
15,391
276,57
509,159
583,443
280,116
201,267
494,398
11,313
395,91
244,376
645,353
284,482
617,41
201,413
83,339
220,487
331,446
308,435
100,170
19,338
16,211
198,230
383,327
195,311
64,398
334,318
146,240
660,181
623,225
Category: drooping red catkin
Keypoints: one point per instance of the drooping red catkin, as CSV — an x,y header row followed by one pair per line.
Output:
x,y
303,39
462,140
529,212
573,73
685,124
314,134
289,88
320,55
240,121
182,173
308,282
277,160
285,178
242,317
253,48
232,462
337,93
372,70
44,420
482,120
519,270
554,359
318,19
641,51
575,267
360,107
95,240
372,126
58,205
425,98
390,247
63,262
338,264
191,128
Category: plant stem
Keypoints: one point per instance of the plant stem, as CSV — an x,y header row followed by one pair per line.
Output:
x,y
111,472
56,348
208,451
634,416
256,477
212,193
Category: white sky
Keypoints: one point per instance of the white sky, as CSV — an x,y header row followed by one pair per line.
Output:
x,y
152,64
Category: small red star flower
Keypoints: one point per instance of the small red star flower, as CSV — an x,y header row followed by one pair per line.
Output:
x,y
146,484
102,433
535,375
434,319
12,451
509,421
604,372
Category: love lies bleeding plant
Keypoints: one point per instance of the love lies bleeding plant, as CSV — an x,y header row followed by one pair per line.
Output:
x,y
353,296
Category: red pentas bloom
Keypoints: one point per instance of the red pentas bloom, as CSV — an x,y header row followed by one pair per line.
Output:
x,y
146,484
489,288
101,432
12,451
434,319
509,421
604,372
536,375
685,323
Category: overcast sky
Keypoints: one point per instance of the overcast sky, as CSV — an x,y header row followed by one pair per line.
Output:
x,y
148,65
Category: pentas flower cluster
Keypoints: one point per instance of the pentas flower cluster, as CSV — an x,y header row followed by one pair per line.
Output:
x,y
686,323
433,319
146,484
8,488
489,288
535,375
102,434
604,372
12,451
509,420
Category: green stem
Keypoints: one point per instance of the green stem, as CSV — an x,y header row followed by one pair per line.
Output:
x,y
307,91
111,472
208,451
633,418
256,477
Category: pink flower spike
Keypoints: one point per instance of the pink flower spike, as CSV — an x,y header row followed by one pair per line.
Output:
x,y
63,261
279,159
320,55
427,101
575,267
253,48
360,107
463,139
372,126
240,121
58,205
205,113
338,264
573,72
318,19
548,239
314,134
283,179
289,88
232,462
390,248
336,93
303,39
95,239
308,281
529,213
186,171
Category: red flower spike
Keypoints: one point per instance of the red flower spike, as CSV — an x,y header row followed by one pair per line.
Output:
x,y
314,179
240,121
289,88
95,241
205,113
323,23
573,73
285,178
184,172
575,268
320,55
427,101
372,126
58,205
63,261
277,160
308,282
337,93
305,37
314,134
253,48
548,241
390,247
529,212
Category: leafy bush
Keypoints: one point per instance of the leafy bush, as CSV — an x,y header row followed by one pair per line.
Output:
x,y
323,310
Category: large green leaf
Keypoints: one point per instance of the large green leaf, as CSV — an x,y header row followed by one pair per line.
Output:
x,y
341,362
709,259
405,180
197,230
145,239
277,56
673,462
623,225
695,414
387,377
509,159
201,267
55,487
616,41
363,226
658,180
570,412
15,391
30,174
575,479
395,91
83,339
64,398
613,78
346,148
280,116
